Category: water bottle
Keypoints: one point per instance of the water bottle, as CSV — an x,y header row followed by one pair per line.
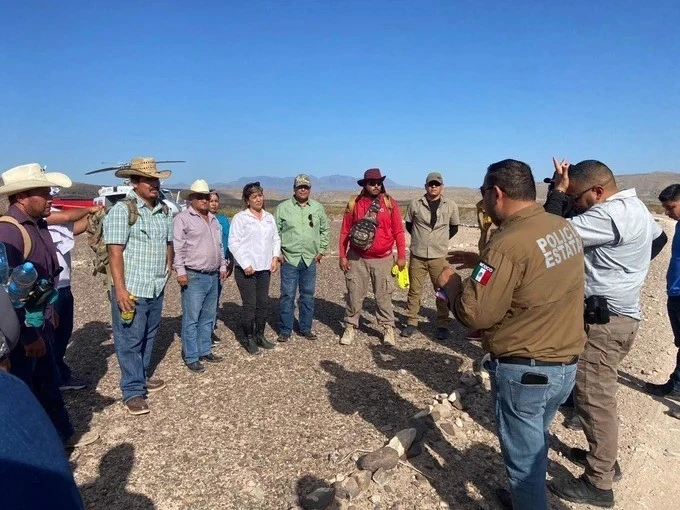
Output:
x,y
20,283
4,266
127,317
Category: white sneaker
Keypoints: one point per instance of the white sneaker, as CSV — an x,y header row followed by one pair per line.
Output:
x,y
388,336
348,336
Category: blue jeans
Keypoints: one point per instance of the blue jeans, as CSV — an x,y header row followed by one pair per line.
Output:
x,y
34,470
303,276
199,308
134,342
42,377
523,414
64,309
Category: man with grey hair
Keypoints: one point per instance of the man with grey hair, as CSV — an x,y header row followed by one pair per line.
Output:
x,y
619,235
303,227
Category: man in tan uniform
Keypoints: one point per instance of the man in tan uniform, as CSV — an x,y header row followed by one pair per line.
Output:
x,y
525,294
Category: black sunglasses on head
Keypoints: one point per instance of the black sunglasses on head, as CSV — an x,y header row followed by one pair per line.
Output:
x,y
251,185
311,220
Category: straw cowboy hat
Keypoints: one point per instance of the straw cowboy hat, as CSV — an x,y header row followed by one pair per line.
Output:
x,y
142,167
31,176
198,186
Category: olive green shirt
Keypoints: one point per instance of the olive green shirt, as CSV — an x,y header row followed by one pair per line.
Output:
x,y
303,230
428,242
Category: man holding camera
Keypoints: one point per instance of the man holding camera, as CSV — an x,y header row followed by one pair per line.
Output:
x,y
24,232
618,234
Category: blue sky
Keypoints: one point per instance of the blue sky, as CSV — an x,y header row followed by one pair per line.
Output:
x,y
335,87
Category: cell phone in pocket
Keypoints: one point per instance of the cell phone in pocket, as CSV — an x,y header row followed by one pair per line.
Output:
x,y
532,378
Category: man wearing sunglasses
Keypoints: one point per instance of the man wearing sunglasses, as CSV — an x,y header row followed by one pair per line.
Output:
x,y
431,220
620,238
303,227
371,226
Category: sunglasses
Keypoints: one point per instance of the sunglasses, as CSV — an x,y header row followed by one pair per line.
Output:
x,y
433,184
311,220
373,183
200,196
484,189
304,186
252,185
577,197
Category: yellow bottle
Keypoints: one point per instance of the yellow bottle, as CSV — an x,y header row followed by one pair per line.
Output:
x,y
126,317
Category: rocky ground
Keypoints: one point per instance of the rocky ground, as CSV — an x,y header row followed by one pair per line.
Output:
x,y
262,432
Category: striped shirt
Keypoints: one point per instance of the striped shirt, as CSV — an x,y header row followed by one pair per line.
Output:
x,y
146,244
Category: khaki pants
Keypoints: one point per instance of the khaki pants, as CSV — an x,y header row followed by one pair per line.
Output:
x,y
418,270
595,394
363,272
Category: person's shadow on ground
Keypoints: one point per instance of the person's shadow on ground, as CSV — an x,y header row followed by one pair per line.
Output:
x,y
638,384
109,490
450,471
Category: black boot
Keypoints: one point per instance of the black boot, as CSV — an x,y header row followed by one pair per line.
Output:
x,y
261,339
249,342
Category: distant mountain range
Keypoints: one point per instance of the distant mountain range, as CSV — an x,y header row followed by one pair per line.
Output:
x,y
268,182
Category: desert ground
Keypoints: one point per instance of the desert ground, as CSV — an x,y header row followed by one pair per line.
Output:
x,y
260,432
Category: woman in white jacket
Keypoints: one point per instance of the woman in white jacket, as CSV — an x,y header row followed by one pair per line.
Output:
x,y
255,244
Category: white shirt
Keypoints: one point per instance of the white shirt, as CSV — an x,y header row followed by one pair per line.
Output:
x,y
63,238
617,245
252,241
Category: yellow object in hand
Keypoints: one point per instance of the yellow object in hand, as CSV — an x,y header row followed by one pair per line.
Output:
x,y
401,276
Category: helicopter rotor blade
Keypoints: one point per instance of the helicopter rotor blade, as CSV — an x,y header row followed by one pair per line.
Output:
x,y
107,169
171,161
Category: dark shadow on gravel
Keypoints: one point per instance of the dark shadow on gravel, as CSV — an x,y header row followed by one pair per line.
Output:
x,y
87,355
448,469
108,491
638,384
170,326
307,484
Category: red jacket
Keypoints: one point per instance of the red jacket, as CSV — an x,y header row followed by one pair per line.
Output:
x,y
390,229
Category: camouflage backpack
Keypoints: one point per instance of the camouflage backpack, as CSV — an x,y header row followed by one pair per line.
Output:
x,y
362,233
95,237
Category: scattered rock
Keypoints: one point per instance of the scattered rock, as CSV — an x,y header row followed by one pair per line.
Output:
x,y
468,379
448,428
402,441
363,479
459,423
440,412
318,499
385,457
402,371
347,488
257,493
382,476
375,499
386,428
423,413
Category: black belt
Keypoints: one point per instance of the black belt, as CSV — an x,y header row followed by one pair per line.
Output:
x,y
518,360
203,271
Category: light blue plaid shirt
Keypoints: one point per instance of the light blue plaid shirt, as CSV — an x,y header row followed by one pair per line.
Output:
x,y
146,244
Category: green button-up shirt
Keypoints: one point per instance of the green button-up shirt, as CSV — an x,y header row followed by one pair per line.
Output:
x,y
146,245
303,230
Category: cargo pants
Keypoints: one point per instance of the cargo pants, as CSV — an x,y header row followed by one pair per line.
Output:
x,y
376,273
595,394
418,270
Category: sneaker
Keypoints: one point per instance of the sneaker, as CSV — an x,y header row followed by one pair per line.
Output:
x,y
214,339
195,367
573,422
211,358
408,331
578,456
154,384
348,336
504,498
136,406
309,335
580,490
73,384
283,337
474,335
77,441
388,336
442,333
666,389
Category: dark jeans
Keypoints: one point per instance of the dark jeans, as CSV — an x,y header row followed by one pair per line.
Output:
x,y
673,307
62,334
292,277
42,377
254,290
134,342
34,470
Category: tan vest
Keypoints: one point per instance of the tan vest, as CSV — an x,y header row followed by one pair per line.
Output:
x,y
527,292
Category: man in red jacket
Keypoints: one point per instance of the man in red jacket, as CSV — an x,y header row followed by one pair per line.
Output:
x,y
370,227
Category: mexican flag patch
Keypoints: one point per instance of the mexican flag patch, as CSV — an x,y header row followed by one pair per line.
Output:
x,y
482,273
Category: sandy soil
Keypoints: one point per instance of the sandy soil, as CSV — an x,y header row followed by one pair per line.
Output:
x,y
258,432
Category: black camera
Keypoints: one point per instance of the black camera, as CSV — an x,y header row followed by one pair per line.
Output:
x,y
596,310
42,289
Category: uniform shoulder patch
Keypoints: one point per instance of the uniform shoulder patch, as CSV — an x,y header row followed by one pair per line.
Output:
x,y
482,273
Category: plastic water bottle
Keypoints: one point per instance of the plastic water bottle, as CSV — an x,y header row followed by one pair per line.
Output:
x,y
20,283
4,265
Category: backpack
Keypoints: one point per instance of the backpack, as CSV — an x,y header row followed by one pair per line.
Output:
x,y
352,202
362,233
28,244
95,237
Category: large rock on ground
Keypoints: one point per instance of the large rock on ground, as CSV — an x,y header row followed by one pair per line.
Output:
x,y
402,441
385,457
318,499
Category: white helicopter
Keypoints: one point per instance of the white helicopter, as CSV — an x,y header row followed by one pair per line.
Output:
x,y
109,195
